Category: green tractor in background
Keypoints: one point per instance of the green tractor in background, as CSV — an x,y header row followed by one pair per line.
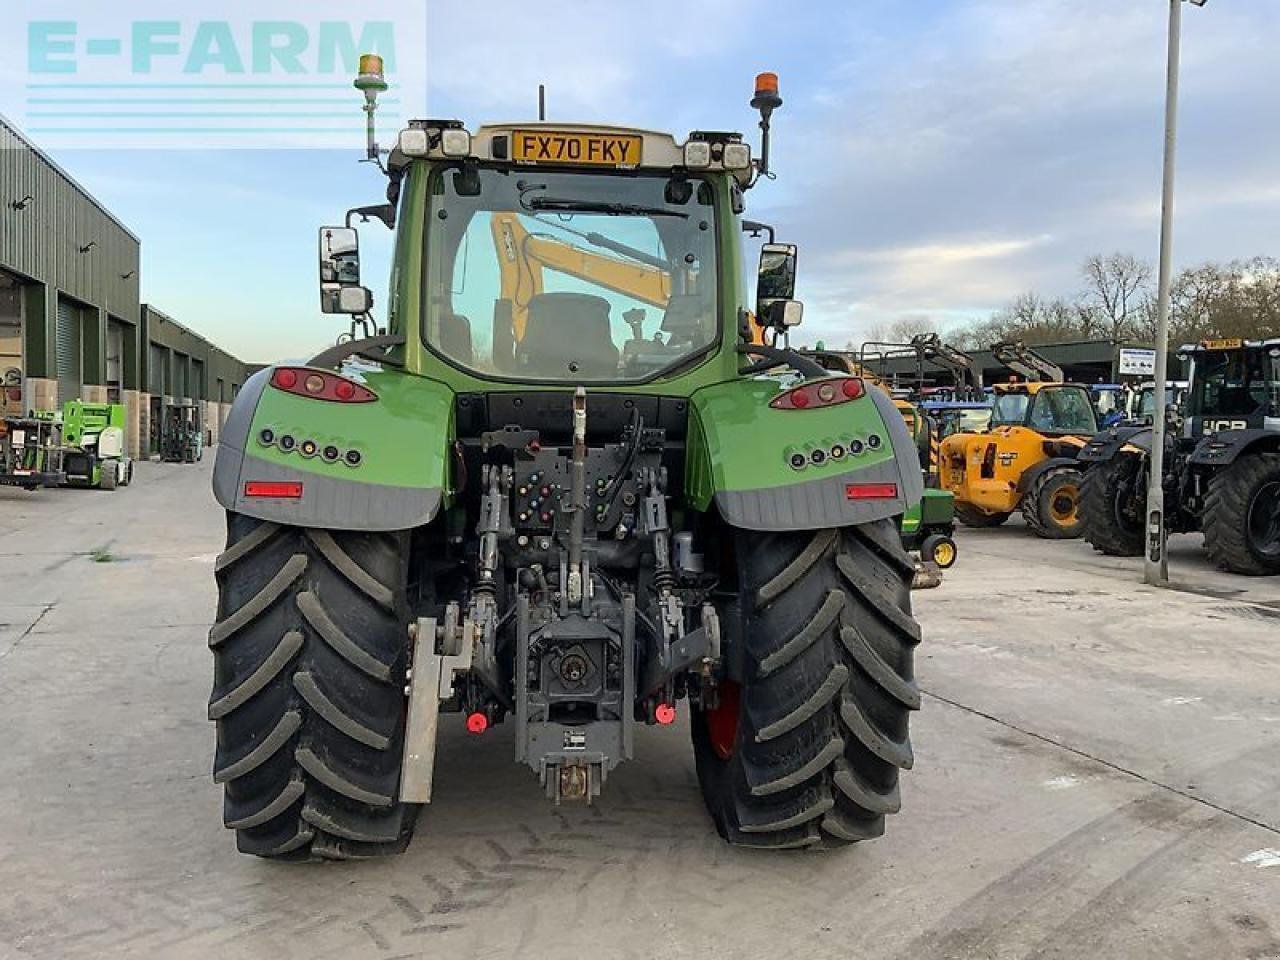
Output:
x,y
574,482
94,448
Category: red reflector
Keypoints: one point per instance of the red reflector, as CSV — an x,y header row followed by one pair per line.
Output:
x,y
286,489
871,491
666,713
286,379
477,722
853,388
344,390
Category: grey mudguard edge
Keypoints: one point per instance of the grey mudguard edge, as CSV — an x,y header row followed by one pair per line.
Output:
x,y
326,502
823,502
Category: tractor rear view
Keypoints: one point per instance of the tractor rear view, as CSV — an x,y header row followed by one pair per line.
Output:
x,y
1222,468
575,486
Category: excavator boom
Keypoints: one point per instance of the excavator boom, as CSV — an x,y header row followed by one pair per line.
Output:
x,y
522,257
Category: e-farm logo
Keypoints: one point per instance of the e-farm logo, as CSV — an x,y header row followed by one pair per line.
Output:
x,y
141,77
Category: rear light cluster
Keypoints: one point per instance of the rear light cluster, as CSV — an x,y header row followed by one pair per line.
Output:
x,y
819,393
832,451
308,448
320,385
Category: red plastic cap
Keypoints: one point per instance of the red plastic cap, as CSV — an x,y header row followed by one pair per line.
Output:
x,y
477,722
666,713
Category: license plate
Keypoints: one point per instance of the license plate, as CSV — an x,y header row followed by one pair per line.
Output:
x,y
587,149
1231,344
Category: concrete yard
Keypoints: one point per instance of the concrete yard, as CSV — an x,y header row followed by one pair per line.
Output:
x,y
1097,775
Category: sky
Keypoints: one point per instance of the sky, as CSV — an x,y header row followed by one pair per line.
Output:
x,y
934,158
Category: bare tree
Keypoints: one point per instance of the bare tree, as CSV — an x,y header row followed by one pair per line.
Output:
x,y
901,330
1117,286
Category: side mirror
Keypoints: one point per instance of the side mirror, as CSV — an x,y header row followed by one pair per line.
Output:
x,y
776,286
340,289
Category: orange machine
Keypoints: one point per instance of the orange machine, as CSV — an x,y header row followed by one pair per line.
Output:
x,y
1026,459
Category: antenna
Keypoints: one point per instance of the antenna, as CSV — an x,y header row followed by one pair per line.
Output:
x,y
542,102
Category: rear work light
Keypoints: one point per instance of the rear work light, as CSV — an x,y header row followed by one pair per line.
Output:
x,y
320,385
819,393
279,489
870,491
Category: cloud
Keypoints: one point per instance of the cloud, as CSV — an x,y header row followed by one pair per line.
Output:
x,y
950,163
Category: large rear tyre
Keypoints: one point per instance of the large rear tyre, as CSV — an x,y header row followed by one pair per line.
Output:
x,y
973,517
309,658
806,751
1113,507
1242,516
1051,507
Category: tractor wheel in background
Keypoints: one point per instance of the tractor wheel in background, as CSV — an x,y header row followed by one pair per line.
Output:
x,y
806,751
108,475
128,474
310,648
973,517
940,549
1051,506
1113,506
1242,516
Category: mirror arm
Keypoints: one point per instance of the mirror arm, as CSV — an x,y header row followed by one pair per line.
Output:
x,y
754,228
386,212
776,357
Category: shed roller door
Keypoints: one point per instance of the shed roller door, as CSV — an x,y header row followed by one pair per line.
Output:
x,y
155,371
68,353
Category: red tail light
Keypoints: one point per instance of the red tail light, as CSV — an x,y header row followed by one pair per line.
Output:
x,y
871,491
819,393
281,489
320,385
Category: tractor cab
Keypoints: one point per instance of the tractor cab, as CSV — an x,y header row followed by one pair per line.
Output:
x,y
1234,385
1053,409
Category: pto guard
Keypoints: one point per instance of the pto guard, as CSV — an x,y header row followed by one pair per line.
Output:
x,y
401,439
741,462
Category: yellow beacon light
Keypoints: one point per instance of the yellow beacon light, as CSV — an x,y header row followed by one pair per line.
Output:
x,y
372,78
371,81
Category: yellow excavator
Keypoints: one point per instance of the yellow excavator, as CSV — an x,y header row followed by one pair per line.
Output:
x,y
523,256
1026,459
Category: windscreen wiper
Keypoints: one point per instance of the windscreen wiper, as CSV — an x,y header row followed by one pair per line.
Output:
x,y
601,206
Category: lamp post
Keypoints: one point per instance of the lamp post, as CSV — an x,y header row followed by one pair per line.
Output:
x,y
1156,560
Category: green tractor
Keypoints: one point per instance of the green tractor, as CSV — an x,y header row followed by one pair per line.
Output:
x,y
94,454
573,483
